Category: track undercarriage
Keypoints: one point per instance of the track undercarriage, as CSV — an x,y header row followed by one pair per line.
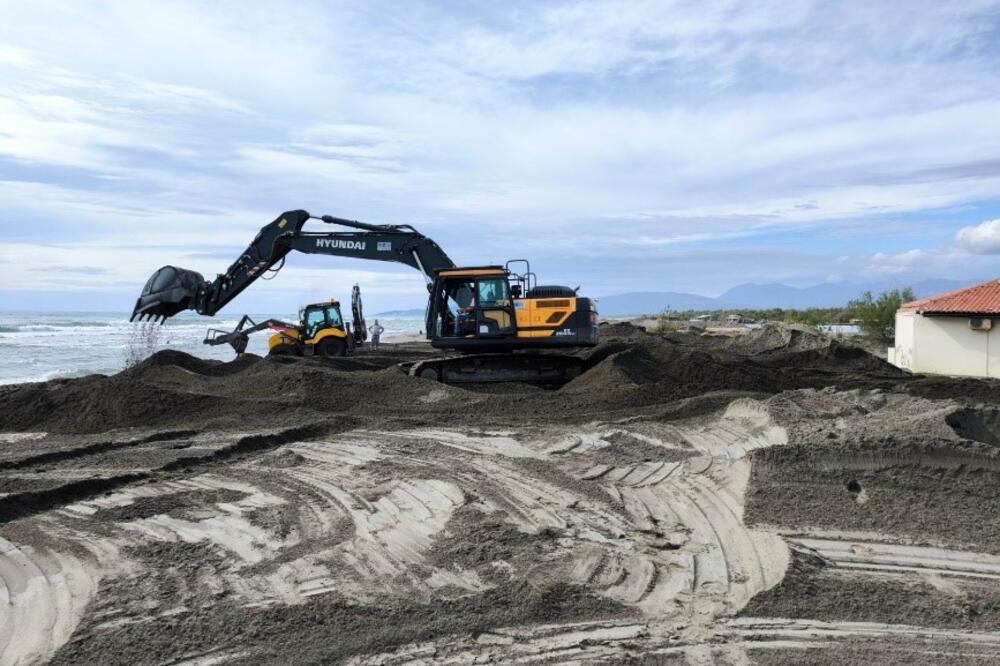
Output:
x,y
531,368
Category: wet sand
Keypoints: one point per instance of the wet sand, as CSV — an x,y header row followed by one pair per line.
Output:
x,y
776,498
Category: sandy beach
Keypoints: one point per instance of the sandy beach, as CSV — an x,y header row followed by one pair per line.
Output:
x,y
779,497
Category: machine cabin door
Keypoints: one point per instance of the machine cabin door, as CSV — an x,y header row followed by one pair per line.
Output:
x,y
314,320
333,317
494,309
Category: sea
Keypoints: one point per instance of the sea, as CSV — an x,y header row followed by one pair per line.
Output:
x,y
37,347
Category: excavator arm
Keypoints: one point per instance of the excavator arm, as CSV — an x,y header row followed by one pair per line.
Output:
x,y
172,290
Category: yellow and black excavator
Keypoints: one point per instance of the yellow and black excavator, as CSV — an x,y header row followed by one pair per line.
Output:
x,y
500,323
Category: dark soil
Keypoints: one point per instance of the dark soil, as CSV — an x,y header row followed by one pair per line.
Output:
x,y
175,504
931,500
483,542
624,449
628,373
864,454
860,652
814,591
328,629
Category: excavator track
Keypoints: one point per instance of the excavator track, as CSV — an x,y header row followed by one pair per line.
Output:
x,y
531,368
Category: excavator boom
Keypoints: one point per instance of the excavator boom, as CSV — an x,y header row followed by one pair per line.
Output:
x,y
172,290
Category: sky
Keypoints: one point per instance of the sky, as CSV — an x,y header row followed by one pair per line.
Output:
x,y
620,146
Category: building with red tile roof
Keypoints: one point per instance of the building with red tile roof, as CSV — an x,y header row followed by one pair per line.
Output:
x,y
951,333
980,299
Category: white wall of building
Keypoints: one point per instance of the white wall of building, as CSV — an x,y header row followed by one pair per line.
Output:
x,y
944,346
993,369
901,355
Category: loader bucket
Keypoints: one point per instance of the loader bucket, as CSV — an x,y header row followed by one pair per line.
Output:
x,y
170,290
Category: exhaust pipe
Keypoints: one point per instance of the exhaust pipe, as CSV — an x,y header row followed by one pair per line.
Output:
x,y
170,290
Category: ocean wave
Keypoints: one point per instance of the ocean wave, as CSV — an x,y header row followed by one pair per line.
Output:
x,y
57,326
27,328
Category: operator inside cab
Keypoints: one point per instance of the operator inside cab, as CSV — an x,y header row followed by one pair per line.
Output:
x,y
465,319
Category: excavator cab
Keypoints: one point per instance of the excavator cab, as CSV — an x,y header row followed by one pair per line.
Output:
x,y
494,308
474,304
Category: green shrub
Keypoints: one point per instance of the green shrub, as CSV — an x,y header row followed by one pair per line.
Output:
x,y
877,316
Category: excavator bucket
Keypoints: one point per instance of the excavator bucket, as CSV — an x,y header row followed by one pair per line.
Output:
x,y
170,290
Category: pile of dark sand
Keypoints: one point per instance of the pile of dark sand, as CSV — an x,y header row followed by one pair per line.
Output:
x,y
635,367
630,370
629,373
910,469
816,590
172,387
329,629
776,338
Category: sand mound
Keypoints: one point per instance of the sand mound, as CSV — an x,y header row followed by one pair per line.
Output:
x,y
777,338
644,369
621,330
880,463
201,366
630,370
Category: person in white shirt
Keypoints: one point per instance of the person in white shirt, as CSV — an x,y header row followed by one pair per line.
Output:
x,y
376,330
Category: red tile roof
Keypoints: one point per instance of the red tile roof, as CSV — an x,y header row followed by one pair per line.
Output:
x,y
979,299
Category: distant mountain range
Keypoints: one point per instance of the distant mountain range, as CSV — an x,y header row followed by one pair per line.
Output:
x,y
760,296
654,302
398,314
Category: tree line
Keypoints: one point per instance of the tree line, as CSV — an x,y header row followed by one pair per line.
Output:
x,y
874,314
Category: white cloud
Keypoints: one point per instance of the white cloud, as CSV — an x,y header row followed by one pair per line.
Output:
x,y
981,239
916,264
594,128
894,264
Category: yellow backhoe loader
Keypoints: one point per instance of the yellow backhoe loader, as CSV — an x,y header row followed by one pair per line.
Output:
x,y
320,331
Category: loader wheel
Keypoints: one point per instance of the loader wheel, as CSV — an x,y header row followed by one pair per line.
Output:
x,y
281,350
331,348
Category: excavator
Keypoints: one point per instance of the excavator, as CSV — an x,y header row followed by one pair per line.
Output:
x,y
496,321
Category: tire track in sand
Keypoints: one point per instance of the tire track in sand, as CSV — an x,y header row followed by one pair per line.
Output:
x,y
624,641
42,599
697,557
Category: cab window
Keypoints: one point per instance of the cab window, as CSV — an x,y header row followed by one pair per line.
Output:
x,y
452,290
492,292
315,320
333,317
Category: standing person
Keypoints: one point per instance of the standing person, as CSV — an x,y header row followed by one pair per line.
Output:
x,y
376,330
